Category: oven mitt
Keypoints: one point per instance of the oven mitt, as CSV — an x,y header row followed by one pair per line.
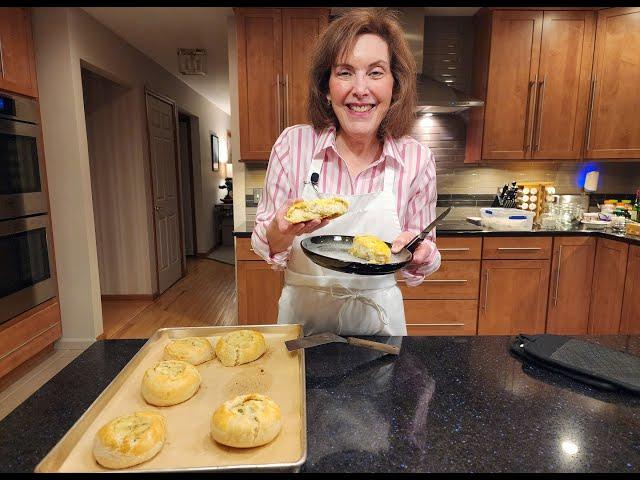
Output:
x,y
586,362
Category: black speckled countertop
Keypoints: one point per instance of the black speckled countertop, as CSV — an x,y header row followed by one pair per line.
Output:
x,y
445,404
466,229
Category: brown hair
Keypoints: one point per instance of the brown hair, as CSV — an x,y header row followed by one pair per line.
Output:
x,y
338,39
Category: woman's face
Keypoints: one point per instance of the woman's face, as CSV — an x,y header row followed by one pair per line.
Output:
x,y
361,85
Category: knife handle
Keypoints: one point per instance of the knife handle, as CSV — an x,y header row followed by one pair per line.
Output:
x,y
383,347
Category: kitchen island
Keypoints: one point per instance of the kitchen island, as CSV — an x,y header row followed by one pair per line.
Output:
x,y
450,404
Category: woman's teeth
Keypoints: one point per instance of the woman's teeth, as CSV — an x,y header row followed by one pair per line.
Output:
x,y
360,108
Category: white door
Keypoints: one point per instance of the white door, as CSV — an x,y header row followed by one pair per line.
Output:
x,y
162,139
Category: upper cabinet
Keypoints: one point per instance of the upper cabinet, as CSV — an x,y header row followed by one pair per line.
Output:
x,y
613,130
274,48
535,82
17,60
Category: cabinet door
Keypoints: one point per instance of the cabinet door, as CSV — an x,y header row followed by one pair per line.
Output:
x,y
608,287
259,288
630,322
17,61
613,130
441,317
300,29
259,38
513,297
570,286
563,84
512,83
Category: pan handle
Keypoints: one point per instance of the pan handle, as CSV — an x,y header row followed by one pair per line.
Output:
x,y
417,240
383,347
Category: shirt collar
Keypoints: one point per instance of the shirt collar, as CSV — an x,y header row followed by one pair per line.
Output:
x,y
327,139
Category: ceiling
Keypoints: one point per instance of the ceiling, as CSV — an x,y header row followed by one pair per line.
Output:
x,y
159,31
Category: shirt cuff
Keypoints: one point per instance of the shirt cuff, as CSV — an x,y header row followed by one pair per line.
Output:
x,y
415,274
278,261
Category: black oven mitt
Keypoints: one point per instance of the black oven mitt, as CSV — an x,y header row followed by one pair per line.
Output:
x,y
586,362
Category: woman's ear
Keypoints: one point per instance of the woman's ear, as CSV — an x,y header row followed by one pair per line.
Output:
x,y
329,100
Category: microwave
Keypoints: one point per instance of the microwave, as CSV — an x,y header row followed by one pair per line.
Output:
x,y
27,274
22,190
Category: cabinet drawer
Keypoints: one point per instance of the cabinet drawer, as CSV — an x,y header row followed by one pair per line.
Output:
x,y
441,317
455,248
453,280
516,248
244,251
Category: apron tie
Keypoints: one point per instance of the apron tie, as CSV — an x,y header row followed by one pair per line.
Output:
x,y
345,293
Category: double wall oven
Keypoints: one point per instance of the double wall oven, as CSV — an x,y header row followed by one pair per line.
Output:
x,y
26,270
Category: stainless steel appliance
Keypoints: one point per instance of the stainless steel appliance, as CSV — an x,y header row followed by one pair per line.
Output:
x,y
21,160
26,269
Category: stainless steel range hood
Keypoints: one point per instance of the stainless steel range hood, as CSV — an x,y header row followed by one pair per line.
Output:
x,y
438,97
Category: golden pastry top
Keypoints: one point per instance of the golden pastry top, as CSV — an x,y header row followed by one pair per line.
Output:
x,y
182,348
242,338
370,247
253,406
306,210
133,434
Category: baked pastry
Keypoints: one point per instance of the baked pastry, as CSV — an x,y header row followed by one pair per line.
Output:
x,y
306,210
371,249
193,350
170,382
240,346
129,440
246,421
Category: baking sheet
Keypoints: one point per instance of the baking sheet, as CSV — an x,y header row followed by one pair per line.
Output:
x,y
278,374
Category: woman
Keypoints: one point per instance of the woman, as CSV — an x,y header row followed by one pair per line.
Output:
x,y
361,105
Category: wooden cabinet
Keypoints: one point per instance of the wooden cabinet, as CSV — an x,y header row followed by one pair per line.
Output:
x,y
570,285
29,333
274,47
457,248
17,59
453,280
608,287
258,285
613,130
513,297
441,317
516,248
630,321
537,84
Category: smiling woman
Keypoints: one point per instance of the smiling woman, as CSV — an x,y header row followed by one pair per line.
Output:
x,y
362,96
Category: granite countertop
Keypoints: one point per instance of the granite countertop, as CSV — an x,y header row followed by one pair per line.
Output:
x,y
462,228
444,404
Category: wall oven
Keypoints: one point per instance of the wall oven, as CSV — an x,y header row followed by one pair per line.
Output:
x,y
21,159
27,274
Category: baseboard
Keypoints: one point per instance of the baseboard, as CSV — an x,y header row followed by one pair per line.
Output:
x,y
74,343
139,296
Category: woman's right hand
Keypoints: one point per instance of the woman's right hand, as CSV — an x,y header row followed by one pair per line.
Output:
x,y
281,232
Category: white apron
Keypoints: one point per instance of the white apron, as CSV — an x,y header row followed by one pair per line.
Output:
x,y
324,300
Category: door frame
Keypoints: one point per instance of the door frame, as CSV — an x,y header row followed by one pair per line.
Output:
x,y
188,117
150,92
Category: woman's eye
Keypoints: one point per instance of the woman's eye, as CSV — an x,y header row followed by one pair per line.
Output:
x,y
376,73
343,74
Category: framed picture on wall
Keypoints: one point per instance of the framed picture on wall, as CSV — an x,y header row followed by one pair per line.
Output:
x,y
215,153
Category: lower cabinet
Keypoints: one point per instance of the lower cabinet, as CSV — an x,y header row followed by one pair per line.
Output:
x,y
513,297
630,321
608,287
441,317
570,285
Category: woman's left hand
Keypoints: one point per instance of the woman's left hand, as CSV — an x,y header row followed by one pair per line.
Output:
x,y
421,254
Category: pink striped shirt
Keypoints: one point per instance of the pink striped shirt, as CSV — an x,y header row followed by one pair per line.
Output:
x,y
290,164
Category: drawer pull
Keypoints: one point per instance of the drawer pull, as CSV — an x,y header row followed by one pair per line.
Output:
x,y
29,340
511,249
435,324
251,249
454,249
446,281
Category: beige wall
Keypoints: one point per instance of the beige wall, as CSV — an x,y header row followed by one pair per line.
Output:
x,y
65,37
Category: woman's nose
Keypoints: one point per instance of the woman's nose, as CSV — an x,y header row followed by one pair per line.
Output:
x,y
361,86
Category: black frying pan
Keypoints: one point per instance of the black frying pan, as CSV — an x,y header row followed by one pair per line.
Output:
x,y
332,252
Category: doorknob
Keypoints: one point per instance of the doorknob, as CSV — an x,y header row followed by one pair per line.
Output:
x,y
157,208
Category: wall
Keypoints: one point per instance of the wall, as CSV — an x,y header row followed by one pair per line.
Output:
x,y
113,138
65,37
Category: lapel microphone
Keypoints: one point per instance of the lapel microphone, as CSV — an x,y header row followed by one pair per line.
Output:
x,y
314,178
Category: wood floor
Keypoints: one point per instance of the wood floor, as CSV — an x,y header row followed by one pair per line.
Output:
x,y
206,296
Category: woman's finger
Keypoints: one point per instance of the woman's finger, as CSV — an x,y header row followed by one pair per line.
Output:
x,y
400,241
422,253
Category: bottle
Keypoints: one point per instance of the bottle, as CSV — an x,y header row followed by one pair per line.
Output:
x,y
636,205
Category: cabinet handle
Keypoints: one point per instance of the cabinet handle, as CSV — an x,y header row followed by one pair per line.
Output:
x,y
41,332
519,248
539,112
453,249
278,104
525,145
555,295
435,324
486,289
286,99
445,281
533,109
591,100
251,249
